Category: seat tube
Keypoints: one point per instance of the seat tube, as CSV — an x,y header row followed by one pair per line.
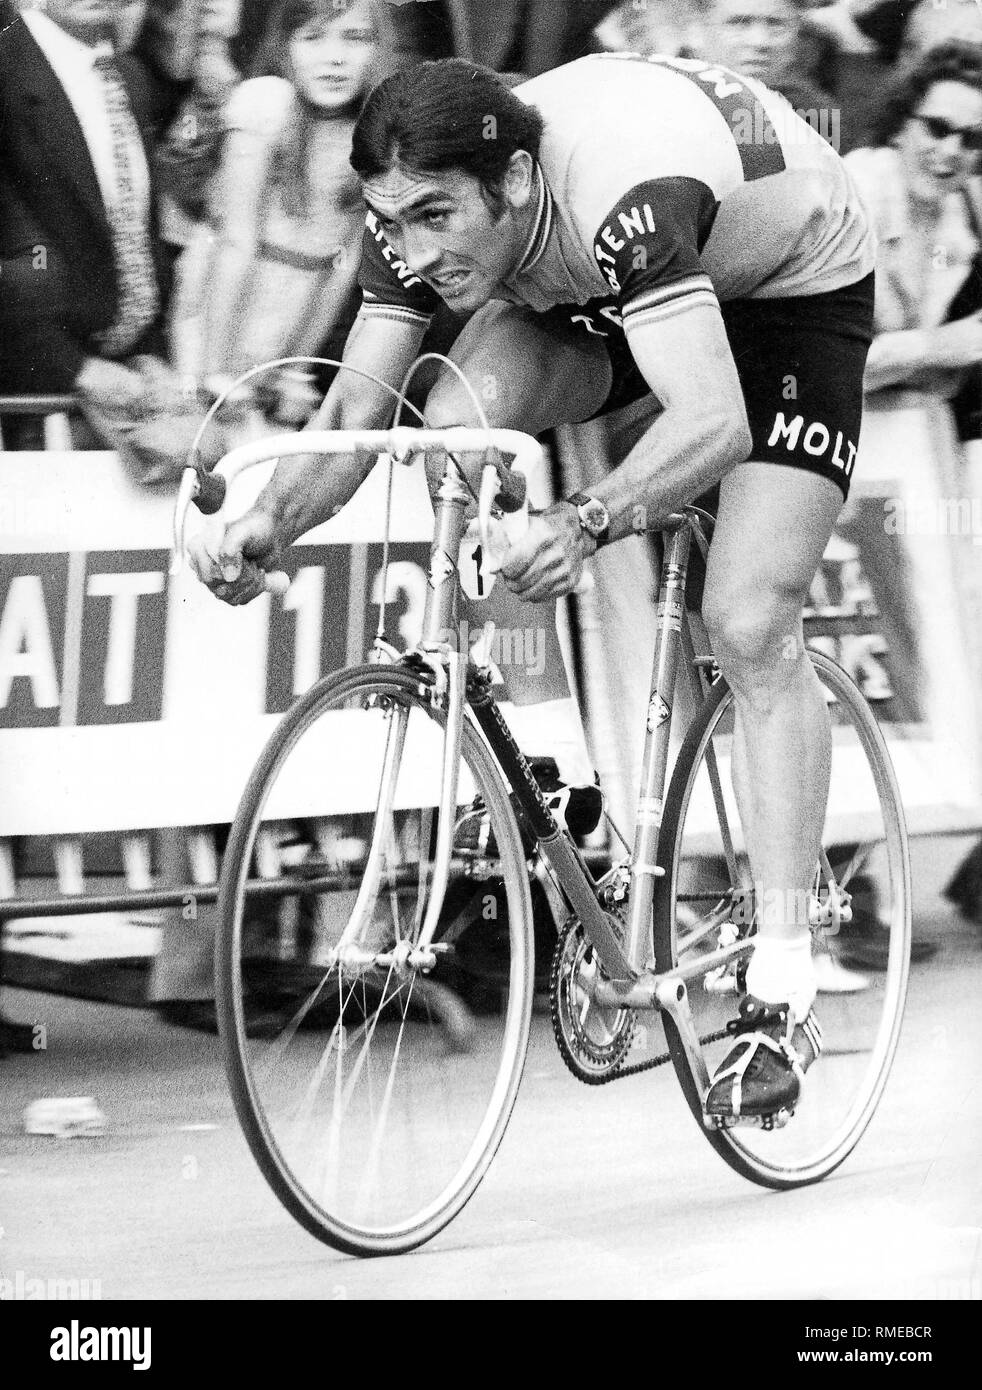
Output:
x,y
448,513
671,614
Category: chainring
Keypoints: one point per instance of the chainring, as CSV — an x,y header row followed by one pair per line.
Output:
x,y
593,1041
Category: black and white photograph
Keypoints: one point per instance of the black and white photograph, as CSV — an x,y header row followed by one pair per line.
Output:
x,y
491,663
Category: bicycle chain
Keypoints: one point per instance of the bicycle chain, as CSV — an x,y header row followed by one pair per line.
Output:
x,y
618,1070
636,1068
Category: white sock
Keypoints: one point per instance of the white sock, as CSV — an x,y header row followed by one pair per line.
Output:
x,y
781,972
553,729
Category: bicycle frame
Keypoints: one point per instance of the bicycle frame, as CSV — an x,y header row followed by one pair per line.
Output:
x,y
633,980
387,968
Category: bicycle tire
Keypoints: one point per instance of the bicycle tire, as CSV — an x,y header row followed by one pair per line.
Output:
x,y
413,1026
746,1149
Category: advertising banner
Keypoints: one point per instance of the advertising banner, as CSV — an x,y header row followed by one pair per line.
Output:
x,y
129,697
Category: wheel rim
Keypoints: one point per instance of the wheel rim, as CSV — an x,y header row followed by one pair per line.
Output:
x,y
859,1008
376,1100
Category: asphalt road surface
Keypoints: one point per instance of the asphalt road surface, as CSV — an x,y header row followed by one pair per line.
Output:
x,y
609,1192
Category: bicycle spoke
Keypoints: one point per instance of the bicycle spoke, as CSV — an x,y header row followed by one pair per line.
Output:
x,y
357,1120
858,1007
370,1176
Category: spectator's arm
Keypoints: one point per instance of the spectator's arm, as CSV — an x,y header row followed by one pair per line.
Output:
x,y
111,387
187,337
930,358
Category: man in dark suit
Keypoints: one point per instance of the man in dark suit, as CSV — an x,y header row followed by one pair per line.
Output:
x,y
82,273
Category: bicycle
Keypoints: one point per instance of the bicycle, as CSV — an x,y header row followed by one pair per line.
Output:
x,y
375,1103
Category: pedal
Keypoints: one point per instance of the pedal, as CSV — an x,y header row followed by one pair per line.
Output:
x,y
764,1122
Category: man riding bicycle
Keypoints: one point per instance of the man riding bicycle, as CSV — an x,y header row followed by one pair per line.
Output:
x,y
616,227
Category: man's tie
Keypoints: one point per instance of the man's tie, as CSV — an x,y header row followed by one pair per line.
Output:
x,y
139,296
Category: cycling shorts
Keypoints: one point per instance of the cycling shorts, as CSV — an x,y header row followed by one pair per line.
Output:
x,y
800,361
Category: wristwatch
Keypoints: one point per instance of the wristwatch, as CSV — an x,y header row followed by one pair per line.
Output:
x,y
594,516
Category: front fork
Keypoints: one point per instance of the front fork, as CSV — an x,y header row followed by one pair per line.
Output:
x,y
441,654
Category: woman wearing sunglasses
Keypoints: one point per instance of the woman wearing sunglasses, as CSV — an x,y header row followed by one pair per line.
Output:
x,y
919,185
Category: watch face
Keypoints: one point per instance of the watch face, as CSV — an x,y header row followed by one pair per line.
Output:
x,y
594,517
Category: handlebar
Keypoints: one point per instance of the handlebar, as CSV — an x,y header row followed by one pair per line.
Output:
x,y
501,485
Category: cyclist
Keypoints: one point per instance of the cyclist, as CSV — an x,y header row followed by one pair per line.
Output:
x,y
615,227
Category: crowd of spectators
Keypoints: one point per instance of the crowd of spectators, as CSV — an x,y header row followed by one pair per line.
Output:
x,y
184,207
176,202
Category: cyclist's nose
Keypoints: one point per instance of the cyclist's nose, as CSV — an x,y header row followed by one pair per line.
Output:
x,y
420,252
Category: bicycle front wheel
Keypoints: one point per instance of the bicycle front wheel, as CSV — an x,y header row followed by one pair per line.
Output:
x,y
373,1077
707,899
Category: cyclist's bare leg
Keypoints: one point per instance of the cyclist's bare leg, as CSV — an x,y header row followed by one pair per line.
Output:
x,y
774,523
525,378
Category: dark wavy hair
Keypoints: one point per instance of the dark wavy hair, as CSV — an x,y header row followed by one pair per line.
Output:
x,y
448,114
954,61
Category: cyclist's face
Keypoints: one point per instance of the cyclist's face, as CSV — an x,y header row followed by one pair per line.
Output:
x,y
447,229
331,57
936,143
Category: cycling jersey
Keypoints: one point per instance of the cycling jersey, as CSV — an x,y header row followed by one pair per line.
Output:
x,y
663,183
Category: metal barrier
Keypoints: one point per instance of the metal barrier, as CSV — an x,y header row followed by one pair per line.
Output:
x,y
54,408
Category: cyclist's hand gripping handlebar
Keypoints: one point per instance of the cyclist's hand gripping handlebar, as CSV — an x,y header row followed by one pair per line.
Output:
x,y
506,489
208,490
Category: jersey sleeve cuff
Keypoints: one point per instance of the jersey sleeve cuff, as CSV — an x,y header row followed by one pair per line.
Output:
x,y
375,308
664,301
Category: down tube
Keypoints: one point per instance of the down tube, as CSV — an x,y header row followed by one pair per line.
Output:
x,y
654,769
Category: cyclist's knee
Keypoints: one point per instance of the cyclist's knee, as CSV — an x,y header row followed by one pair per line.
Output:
x,y
755,636
449,403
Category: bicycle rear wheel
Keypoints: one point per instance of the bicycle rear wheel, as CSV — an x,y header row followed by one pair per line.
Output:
x,y
706,899
382,1083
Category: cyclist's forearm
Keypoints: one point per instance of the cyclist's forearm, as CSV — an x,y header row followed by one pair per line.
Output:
x,y
310,489
674,461
307,490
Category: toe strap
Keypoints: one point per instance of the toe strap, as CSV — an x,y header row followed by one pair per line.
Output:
x,y
744,1053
